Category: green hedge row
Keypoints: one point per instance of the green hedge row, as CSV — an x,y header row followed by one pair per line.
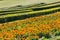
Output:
x,y
9,19
22,11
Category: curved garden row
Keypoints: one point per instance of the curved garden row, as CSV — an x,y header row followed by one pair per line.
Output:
x,y
17,16
45,27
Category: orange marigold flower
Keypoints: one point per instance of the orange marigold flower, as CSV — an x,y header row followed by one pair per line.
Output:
x,y
6,38
1,35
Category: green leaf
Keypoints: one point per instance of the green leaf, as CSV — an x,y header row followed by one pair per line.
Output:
x,y
33,38
1,39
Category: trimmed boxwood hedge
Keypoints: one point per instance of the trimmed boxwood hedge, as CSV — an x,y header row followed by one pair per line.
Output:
x,y
9,19
36,9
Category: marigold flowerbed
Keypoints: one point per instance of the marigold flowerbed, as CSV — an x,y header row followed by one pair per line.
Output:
x,y
37,28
